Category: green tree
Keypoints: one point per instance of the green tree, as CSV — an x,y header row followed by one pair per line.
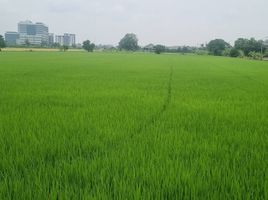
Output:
x,y
27,43
56,45
64,48
44,44
88,46
129,42
234,52
248,45
217,46
226,52
255,55
159,49
265,55
2,42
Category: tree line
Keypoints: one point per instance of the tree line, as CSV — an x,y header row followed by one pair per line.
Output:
x,y
243,47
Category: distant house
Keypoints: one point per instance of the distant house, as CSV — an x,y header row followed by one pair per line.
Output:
x,y
149,47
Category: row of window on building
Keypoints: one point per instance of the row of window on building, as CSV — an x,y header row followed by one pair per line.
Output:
x,y
37,34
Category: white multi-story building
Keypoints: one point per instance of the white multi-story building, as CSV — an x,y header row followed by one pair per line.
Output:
x,y
33,34
59,39
69,39
50,38
66,39
11,38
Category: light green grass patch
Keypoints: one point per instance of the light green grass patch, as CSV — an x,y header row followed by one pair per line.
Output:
x,y
78,125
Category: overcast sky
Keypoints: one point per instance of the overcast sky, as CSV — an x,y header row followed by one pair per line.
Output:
x,y
169,22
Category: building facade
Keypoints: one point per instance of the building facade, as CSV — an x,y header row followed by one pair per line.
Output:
x,y
50,38
30,33
66,39
59,39
11,38
33,34
69,39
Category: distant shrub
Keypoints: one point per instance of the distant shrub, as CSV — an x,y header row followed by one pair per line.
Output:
x,y
265,54
201,52
234,53
64,48
255,55
226,52
159,49
241,54
217,47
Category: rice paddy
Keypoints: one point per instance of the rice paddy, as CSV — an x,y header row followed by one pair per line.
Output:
x,y
76,125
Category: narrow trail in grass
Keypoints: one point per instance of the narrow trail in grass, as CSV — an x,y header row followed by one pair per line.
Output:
x,y
164,107
118,142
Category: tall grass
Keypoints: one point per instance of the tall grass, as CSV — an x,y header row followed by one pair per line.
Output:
x,y
132,126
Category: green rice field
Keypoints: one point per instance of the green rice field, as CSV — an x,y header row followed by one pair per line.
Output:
x,y
80,125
